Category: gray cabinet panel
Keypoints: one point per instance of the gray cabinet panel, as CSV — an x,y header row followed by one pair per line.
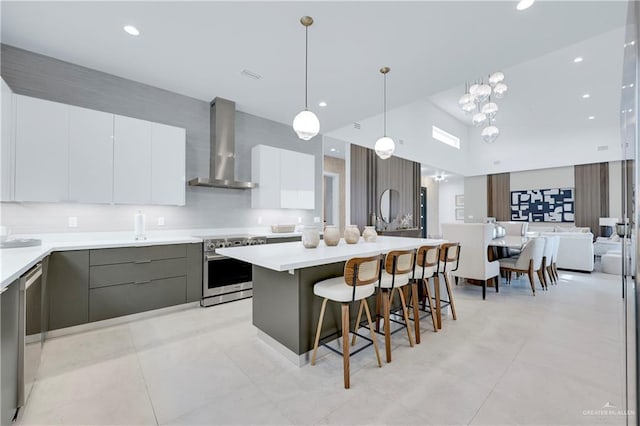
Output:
x,y
68,288
9,340
275,240
124,273
137,254
194,272
115,301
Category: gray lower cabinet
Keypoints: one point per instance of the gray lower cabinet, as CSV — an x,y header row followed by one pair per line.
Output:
x,y
129,280
9,341
68,288
118,300
275,240
92,285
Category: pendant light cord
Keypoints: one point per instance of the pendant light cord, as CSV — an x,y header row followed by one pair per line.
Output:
x,y
385,106
306,67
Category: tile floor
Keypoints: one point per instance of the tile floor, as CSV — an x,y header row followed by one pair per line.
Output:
x,y
512,359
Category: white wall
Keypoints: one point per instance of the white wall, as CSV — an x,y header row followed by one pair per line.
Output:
x,y
433,221
447,192
557,177
412,124
475,199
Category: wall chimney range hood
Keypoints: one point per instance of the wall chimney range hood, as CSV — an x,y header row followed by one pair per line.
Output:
x,y
222,150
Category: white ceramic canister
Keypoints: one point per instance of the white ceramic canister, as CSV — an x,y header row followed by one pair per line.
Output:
x,y
369,234
352,234
331,235
310,237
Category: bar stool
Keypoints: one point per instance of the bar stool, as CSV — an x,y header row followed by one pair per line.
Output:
x,y
449,259
398,267
427,258
357,283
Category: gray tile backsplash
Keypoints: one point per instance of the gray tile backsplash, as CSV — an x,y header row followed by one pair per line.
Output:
x,y
36,75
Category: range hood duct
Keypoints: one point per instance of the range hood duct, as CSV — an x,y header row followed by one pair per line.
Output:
x,y
222,155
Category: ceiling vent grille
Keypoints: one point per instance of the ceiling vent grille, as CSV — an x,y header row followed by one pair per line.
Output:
x,y
496,162
250,74
356,125
603,148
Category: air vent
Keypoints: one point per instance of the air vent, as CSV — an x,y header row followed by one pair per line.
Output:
x,y
496,162
356,126
603,148
401,141
250,74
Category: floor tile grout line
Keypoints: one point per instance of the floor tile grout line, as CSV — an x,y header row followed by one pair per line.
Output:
x,y
506,370
144,380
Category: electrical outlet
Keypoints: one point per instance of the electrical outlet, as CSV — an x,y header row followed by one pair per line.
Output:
x,y
72,221
160,220
316,220
299,219
259,220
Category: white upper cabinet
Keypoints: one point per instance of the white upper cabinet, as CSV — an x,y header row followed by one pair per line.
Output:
x,y
131,161
168,174
7,145
90,156
41,159
54,152
286,179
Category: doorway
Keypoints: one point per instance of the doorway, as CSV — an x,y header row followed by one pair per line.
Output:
x,y
331,197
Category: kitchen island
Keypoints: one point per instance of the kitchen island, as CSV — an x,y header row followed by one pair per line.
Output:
x,y
285,310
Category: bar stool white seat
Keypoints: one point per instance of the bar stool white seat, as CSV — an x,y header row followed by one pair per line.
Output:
x,y
357,283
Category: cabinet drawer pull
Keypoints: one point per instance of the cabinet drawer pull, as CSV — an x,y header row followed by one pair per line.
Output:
x,y
142,282
137,262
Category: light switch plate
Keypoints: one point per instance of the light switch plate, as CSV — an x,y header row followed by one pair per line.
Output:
x,y
72,221
160,220
316,220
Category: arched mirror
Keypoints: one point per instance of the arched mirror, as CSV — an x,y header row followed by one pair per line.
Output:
x,y
389,205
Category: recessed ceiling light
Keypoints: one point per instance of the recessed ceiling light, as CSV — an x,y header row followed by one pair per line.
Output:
x,y
333,150
591,117
631,85
586,96
578,59
322,104
131,30
629,110
525,4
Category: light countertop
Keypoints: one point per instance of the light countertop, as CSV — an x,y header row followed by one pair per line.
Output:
x,y
16,261
288,256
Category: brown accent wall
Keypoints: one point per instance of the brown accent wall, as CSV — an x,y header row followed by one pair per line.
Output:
x,y
337,165
591,195
498,196
371,176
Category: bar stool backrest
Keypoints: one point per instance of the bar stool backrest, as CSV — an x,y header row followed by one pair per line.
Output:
x,y
399,262
428,256
362,270
449,256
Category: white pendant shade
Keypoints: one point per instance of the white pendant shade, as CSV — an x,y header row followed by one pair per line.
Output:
x,y
490,109
469,107
490,134
478,119
483,92
306,125
385,147
496,78
500,90
465,99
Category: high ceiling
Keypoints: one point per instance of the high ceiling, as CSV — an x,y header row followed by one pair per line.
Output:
x,y
200,48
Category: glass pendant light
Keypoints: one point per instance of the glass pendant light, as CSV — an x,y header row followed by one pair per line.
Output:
x,y
385,146
500,90
483,92
496,78
469,107
490,109
490,133
479,118
306,124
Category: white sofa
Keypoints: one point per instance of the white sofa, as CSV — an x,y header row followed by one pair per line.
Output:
x,y
474,241
575,250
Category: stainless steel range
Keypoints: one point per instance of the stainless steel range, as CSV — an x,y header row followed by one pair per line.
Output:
x,y
225,279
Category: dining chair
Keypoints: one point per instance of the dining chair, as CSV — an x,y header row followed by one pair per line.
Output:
x,y
529,261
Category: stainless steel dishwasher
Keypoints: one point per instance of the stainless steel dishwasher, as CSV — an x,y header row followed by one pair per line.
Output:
x,y
32,329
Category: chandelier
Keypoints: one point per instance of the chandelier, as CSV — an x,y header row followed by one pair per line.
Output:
x,y
477,102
